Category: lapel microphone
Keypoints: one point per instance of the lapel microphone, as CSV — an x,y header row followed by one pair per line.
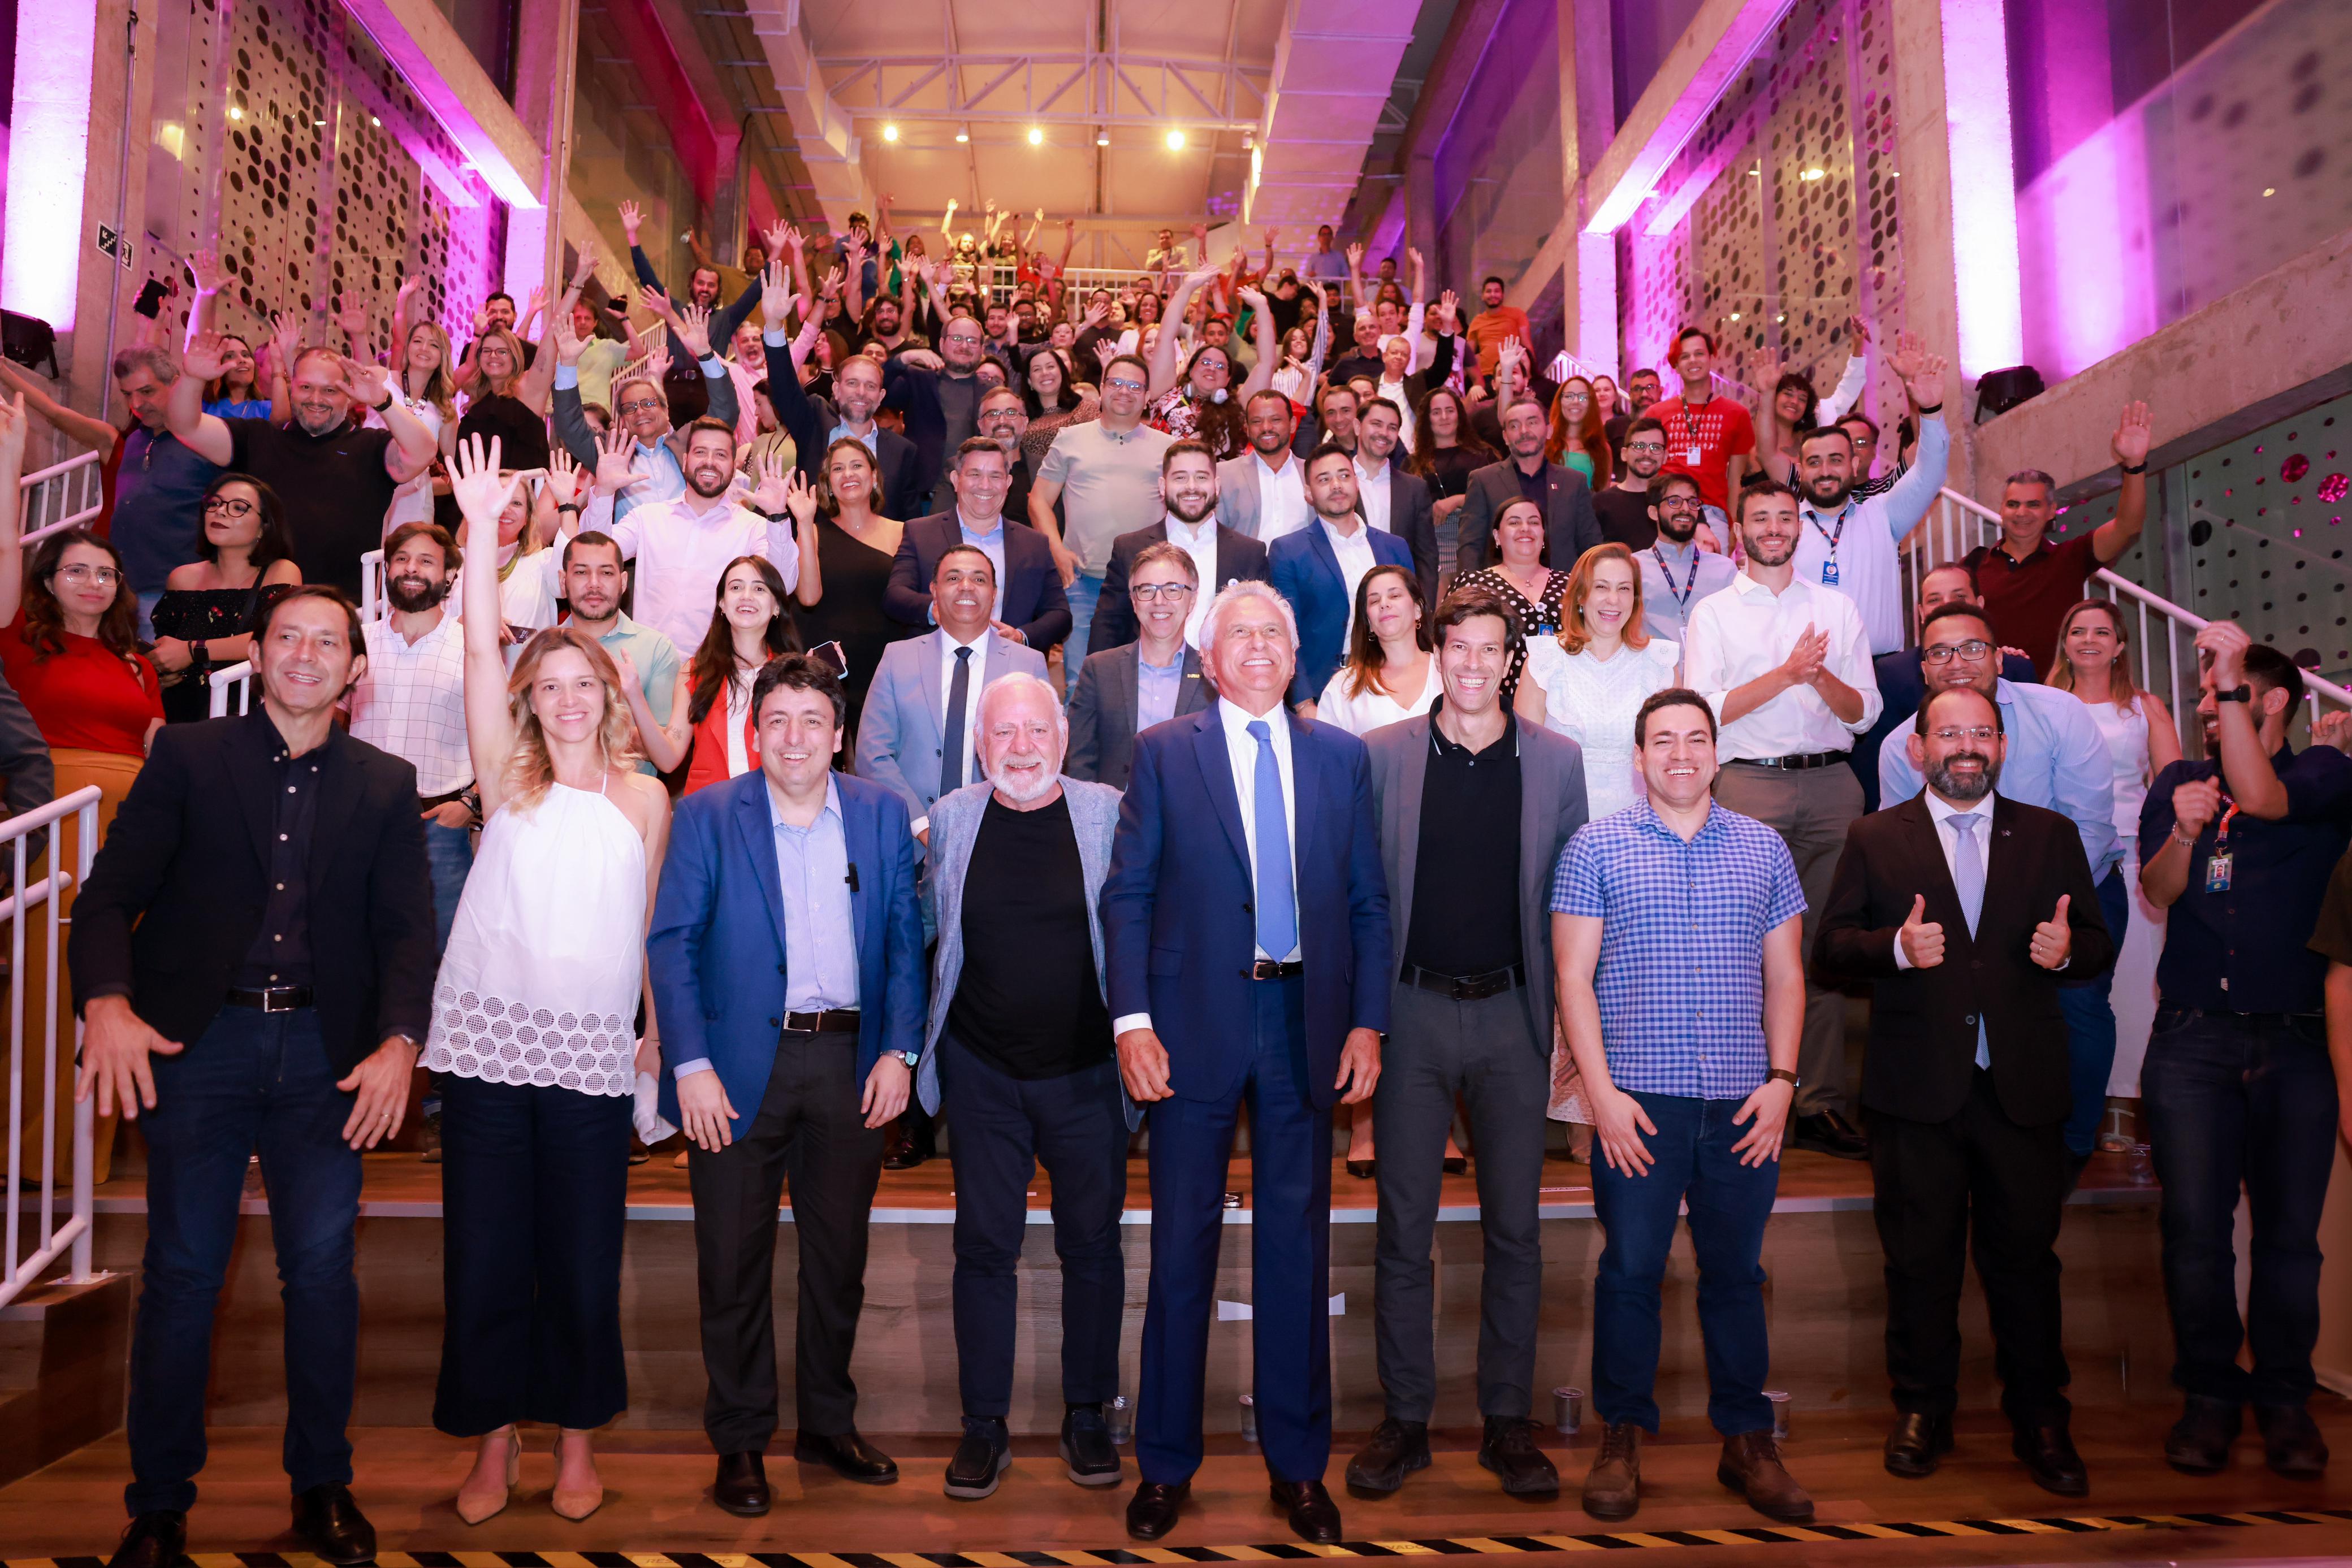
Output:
x,y
852,878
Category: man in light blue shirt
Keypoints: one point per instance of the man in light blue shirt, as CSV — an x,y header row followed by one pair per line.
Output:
x,y
1676,573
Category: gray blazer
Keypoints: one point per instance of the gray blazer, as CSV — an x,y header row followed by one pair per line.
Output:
x,y
955,824
1237,493
1571,525
898,730
1103,712
1551,808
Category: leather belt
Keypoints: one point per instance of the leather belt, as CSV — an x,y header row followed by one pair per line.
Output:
x,y
270,998
1267,970
837,1022
1798,763
1465,987
434,802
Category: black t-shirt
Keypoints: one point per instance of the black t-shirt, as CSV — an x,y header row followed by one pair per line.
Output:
x,y
1625,518
1028,1001
334,487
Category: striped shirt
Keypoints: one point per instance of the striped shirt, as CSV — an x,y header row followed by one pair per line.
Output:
x,y
1681,974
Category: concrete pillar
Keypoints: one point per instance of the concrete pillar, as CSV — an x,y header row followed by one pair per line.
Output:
x,y
1588,263
547,45
1923,150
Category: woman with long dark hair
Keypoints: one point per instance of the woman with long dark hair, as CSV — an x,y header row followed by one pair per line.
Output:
x,y
753,624
841,586
1049,388
1389,675
205,619
1446,451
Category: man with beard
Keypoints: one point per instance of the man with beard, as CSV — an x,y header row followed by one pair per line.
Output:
x,y
941,406
1019,1044
1786,666
1677,571
1641,391
1318,569
888,329
595,579
688,394
681,548
653,468
1189,486
1261,493
1850,542
816,424
1624,506
1963,909
1570,526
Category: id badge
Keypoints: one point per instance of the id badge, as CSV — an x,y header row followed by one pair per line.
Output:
x,y
2217,873
1829,574
1691,456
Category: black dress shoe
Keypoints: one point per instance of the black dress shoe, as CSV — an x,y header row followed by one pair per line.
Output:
x,y
913,1144
981,1459
2292,1445
1089,1455
848,1456
1362,1170
1151,1511
1508,1448
1397,1449
1829,1133
2198,1443
1314,1516
332,1525
1455,1165
157,1540
1917,1444
2049,1457
741,1488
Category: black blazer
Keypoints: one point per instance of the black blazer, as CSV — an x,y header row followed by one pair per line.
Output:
x,y
1571,525
1239,558
1103,713
1923,1022
1412,520
1034,599
810,421
178,891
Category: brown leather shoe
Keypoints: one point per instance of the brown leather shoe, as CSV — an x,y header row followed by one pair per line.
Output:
x,y
1751,1467
1612,1488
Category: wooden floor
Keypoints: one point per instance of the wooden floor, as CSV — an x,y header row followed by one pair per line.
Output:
x,y
658,1501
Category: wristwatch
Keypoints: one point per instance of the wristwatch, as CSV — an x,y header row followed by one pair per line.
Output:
x,y
913,1059
2240,693
1783,1075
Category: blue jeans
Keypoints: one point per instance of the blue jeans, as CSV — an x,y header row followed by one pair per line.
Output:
x,y
253,1080
2230,1100
449,858
2090,1028
1730,1204
1085,591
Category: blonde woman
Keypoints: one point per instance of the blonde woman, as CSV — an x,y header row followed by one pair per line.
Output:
x,y
424,385
532,1029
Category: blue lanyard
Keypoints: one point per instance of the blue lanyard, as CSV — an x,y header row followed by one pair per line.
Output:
x,y
1682,595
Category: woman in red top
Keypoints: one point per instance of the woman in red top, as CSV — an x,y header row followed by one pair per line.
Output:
x,y
754,624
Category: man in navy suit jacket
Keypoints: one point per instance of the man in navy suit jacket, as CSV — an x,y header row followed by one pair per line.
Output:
x,y
786,958
1031,607
1318,568
1242,971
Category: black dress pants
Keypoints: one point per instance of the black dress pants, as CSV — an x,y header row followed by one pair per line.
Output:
x,y
1937,1181
807,1129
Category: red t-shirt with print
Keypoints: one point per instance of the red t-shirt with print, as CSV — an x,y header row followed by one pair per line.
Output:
x,y
1701,440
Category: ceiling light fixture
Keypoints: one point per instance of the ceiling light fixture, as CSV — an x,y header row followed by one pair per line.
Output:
x,y
963,134
1102,138
1810,175
1037,136
1175,142
890,130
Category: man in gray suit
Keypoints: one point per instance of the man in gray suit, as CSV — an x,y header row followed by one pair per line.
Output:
x,y
1124,691
914,735
1020,1046
1571,525
1474,810
1263,492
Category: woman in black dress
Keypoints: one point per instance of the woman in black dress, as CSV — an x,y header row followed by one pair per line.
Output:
x,y
840,595
509,401
204,620
1446,452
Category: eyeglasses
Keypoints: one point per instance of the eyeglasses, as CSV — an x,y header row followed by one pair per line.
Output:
x,y
1634,446
1120,383
1981,734
1681,504
641,405
1154,593
104,575
235,506
1942,652
966,338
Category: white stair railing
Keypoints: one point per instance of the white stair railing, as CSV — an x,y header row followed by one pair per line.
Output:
x,y
373,606
20,1269
67,495
232,689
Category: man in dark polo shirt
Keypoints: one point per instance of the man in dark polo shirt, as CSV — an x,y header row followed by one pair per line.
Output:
x,y
334,476
2029,583
1019,1046
1474,810
2237,1086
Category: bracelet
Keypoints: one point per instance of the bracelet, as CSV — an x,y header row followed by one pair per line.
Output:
x,y
567,506
1926,411
2127,468
2188,844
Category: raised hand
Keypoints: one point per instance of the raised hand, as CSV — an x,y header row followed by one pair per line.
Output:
x,y
564,476
569,345
1250,297
775,302
1858,330
2053,939
1922,938
11,431
1355,255
2225,642
537,303
614,450
368,383
210,275
1449,310
694,330
478,488
2132,432
1098,313
771,494
795,241
830,288
585,267
352,318
632,217
800,497
204,355
408,287
772,237
1903,357
1926,383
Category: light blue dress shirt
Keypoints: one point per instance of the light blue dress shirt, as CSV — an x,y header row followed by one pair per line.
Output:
x,y
991,545
872,438
2057,760
1157,689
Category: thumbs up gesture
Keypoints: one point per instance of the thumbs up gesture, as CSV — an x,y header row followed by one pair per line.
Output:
x,y
2053,939
1922,938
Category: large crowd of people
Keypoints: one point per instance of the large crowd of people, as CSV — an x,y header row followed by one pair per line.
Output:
x,y
887,687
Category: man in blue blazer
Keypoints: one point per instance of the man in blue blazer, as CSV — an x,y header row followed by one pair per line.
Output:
x,y
1317,568
786,958
1031,607
1243,971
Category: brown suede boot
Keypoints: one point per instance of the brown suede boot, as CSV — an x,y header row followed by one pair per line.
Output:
x,y
1613,1488
1751,1467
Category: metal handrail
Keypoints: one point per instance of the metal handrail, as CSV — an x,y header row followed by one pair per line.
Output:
x,y
373,606
46,498
232,682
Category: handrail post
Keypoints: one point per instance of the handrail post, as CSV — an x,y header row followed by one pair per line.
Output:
x,y
85,1153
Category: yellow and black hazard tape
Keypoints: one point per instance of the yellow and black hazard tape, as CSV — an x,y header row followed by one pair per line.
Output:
x,y
1481,1545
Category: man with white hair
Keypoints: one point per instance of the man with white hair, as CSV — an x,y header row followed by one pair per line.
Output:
x,y
1020,1040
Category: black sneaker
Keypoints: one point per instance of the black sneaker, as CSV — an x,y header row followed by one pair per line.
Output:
x,y
1396,1449
981,1459
1087,1449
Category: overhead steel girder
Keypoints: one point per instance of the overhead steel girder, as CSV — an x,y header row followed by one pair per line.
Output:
x,y
1052,88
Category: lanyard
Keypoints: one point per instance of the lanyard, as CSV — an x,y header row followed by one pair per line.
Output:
x,y
1682,595
1690,425
1815,518
2221,833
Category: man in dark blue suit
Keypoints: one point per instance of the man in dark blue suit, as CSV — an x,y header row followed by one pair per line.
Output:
x,y
1031,607
1903,678
787,966
1318,568
1245,929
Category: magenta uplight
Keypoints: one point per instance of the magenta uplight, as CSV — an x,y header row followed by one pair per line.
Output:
x,y
1984,186
48,157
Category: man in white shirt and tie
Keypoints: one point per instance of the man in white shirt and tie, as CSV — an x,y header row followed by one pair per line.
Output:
x,y
1317,568
1785,664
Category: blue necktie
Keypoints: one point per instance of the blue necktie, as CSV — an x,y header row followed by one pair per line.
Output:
x,y
1277,909
1968,879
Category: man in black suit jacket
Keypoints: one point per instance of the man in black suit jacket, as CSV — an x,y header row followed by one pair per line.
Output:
x,y
253,955
1903,677
1379,432
1571,525
816,424
1188,488
1964,909
1108,700
1031,606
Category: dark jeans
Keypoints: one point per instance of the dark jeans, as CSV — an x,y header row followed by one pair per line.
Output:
x,y
1001,1129
534,1183
807,1127
1730,1204
2091,1027
2233,1100
252,1081
449,858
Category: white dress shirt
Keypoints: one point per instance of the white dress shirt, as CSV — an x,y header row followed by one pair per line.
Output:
x,y
680,554
991,545
1198,541
411,701
979,662
1394,391
1863,538
1354,552
1747,631
1372,492
1949,838
1281,499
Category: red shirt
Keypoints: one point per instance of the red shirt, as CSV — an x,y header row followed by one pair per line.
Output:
x,y
1701,440
85,697
2027,600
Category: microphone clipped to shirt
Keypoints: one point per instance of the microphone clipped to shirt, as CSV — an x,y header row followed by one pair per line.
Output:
x,y
852,878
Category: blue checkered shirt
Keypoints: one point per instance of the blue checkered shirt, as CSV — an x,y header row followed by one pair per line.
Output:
x,y
1681,974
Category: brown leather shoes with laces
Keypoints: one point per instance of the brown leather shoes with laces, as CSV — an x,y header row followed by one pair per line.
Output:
x,y
1612,1488
1751,1467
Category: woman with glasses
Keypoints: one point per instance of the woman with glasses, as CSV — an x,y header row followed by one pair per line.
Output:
x,y
204,620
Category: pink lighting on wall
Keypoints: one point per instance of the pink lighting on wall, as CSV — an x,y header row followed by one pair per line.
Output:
x,y
1984,186
1709,79
49,154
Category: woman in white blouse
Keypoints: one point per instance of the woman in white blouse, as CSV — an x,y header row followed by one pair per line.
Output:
x,y
1588,682
1390,675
